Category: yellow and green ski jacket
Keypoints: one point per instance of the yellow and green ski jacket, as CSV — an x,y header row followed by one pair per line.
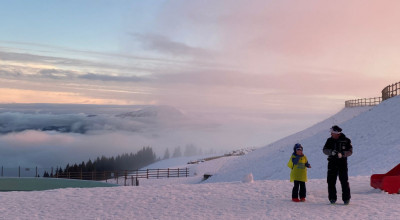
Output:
x,y
298,164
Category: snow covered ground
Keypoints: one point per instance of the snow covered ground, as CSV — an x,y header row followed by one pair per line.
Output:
x,y
266,199
229,195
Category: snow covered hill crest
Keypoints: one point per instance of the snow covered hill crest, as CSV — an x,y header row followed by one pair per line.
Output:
x,y
374,132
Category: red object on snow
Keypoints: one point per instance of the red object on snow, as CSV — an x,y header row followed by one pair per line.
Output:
x,y
389,182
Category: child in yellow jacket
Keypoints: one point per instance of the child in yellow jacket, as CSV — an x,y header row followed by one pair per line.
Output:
x,y
298,163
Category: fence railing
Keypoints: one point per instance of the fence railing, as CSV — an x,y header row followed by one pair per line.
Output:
x,y
387,93
145,174
391,90
114,176
363,102
23,171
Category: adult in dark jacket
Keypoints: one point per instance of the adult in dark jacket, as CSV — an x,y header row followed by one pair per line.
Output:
x,y
338,147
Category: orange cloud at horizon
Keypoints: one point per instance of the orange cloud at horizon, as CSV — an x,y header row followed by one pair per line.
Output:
x,y
35,96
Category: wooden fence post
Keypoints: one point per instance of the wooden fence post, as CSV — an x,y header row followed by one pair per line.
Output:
x,y
117,176
126,176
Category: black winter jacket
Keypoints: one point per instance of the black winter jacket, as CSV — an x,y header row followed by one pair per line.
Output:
x,y
341,145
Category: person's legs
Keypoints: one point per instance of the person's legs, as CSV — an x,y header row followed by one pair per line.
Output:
x,y
344,181
295,191
303,191
331,180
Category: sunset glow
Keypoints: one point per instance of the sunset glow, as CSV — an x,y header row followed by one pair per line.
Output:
x,y
259,57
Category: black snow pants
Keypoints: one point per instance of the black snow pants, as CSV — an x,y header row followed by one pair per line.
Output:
x,y
338,167
295,191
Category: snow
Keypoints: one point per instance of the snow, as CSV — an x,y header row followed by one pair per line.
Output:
x,y
252,186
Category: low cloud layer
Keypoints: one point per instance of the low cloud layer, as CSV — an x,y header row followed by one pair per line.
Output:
x,y
47,135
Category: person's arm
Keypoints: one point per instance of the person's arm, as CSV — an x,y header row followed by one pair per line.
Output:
x,y
349,149
307,164
327,148
290,163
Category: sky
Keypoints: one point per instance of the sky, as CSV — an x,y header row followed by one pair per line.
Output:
x,y
253,186
263,56
286,64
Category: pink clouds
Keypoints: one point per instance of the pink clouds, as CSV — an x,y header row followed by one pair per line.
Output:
x,y
237,54
295,50
270,35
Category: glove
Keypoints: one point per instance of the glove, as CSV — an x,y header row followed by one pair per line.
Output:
x,y
334,153
339,155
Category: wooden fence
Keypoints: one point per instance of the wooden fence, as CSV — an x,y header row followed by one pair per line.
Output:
x,y
391,90
363,102
387,93
116,176
127,176
146,174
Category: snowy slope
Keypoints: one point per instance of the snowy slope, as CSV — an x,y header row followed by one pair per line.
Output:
x,y
270,161
374,132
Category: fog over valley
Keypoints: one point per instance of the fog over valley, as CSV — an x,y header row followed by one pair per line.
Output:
x,y
47,135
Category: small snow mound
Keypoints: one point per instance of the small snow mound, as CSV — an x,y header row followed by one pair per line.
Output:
x,y
248,178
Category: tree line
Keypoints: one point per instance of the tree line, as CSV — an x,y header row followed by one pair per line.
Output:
x,y
101,165
188,151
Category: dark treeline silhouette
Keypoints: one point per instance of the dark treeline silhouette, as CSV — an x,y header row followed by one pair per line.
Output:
x,y
103,167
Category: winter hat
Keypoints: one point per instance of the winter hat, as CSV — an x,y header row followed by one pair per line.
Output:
x,y
297,146
336,129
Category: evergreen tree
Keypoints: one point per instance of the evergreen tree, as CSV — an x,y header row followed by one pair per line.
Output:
x,y
89,166
190,150
126,161
166,154
177,152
